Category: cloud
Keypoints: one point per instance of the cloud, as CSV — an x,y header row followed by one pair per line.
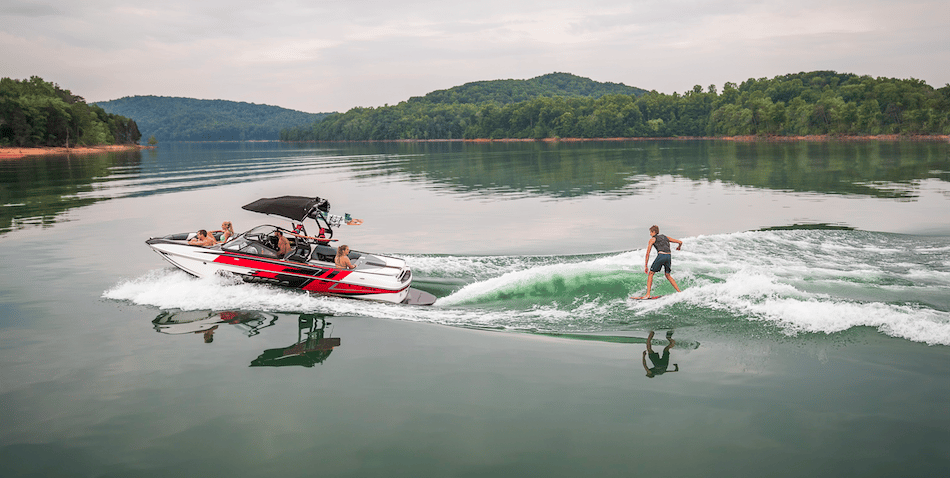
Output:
x,y
16,8
326,56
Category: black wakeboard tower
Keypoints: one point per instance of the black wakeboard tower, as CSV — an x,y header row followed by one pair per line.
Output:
x,y
297,209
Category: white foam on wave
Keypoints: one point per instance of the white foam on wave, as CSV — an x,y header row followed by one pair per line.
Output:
x,y
934,249
761,296
174,289
813,282
465,266
809,258
928,276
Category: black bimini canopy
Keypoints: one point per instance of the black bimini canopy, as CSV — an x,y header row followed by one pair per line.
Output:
x,y
296,208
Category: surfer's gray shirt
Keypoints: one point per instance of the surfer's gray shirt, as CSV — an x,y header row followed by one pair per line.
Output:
x,y
661,243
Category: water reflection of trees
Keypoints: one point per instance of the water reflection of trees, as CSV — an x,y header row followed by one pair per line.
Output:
x,y
883,169
34,191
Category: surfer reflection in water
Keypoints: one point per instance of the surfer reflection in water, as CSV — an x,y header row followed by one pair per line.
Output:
x,y
208,334
660,364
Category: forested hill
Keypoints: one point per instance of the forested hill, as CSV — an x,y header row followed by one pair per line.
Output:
x,y
188,119
35,113
447,114
503,92
807,103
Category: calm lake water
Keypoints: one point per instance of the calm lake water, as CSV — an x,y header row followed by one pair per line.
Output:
x,y
812,334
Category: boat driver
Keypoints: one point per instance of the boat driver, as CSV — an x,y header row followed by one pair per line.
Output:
x,y
283,245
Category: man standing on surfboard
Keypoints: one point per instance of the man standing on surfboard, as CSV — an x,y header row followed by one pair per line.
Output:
x,y
664,258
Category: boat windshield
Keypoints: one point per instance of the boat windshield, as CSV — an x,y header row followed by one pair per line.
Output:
x,y
256,242
260,231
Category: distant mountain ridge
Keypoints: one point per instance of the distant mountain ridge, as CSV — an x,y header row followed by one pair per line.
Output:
x,y
188,119
565,85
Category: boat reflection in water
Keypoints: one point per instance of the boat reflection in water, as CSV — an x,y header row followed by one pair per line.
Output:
x,y
312,346
206,322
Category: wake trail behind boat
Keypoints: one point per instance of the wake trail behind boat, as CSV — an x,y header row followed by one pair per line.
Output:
x,y
791,282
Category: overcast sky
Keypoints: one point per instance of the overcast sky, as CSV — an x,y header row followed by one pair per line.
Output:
x,y
321,56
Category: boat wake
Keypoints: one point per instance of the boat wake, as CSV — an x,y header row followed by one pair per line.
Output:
x,y
786,282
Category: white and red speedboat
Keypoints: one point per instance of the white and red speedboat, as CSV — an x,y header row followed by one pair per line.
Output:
x,y
309,265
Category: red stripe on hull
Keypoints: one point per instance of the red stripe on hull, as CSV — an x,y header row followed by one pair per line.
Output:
x,y
321,282
244,262
332,287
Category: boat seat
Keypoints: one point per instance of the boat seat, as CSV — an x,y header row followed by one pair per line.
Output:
x,y
323,253
328,254
299,253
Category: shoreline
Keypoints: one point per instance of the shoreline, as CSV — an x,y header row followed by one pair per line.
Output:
x,y
17,153
738,139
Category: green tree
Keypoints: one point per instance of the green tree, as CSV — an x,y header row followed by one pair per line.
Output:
x,y
34,112
820,102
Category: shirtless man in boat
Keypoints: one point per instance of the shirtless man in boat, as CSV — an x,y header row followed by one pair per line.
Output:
x,y
283,245
203,239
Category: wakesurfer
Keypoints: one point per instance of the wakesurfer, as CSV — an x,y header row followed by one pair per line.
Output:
x,y
664,258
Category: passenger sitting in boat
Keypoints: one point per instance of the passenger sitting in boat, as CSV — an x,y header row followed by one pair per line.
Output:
x,y
342,260
227,231
283,245
203,239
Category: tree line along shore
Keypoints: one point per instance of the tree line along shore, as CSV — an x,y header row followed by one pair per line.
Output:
x,y
38,114
38,117
817,104
17,152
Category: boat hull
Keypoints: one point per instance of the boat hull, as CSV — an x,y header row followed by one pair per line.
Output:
x,y
376,277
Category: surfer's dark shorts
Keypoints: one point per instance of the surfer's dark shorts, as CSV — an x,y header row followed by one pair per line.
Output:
x,y
664,261
660,364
